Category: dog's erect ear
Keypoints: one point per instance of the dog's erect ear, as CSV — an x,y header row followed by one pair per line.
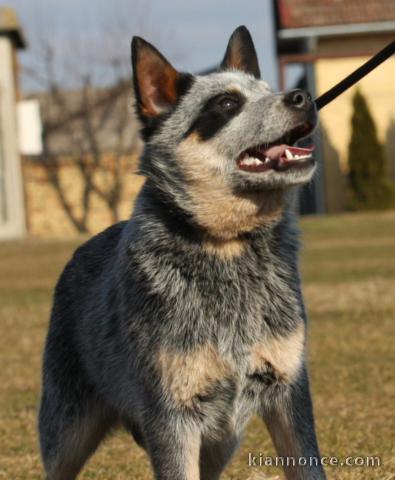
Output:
x,y
240,53
156,82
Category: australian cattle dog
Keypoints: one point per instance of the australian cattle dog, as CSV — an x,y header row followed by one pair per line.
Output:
x,y
184,321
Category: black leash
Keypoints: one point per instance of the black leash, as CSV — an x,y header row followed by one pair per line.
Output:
x,y
355,76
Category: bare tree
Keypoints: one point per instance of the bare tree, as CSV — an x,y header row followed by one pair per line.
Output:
x,y
92,128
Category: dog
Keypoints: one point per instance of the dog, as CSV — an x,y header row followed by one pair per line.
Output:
x,y
186,320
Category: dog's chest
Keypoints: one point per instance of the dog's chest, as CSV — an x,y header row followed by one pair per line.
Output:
x,y
249,340
248,301
224,391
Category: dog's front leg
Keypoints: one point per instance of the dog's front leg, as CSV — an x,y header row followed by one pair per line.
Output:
x,y
289,419
173,443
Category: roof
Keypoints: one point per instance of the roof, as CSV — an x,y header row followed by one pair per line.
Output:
x,y
10,26
315,13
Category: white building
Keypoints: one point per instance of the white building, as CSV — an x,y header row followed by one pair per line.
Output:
x,y
12,208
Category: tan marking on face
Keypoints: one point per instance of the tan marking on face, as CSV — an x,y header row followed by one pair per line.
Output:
x,y
285,354
222,213
186,375
233,88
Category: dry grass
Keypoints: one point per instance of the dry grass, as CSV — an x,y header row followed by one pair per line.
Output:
x,y
349,275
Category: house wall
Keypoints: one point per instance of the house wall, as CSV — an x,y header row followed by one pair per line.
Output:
x,y
378,88
46,216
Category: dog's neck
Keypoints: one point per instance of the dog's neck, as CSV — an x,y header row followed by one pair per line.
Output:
x,y
220,221
225,216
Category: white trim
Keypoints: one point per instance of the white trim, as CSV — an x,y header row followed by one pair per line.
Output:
x,y
334,30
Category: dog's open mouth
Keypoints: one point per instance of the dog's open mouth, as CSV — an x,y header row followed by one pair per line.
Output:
x,y
277,156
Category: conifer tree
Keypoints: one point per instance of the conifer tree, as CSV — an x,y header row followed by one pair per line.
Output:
x,y
369,185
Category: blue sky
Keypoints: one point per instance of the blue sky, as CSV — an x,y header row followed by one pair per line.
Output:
x,y
191,34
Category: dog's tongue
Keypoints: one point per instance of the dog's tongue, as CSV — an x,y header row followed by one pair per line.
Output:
x,y
278,151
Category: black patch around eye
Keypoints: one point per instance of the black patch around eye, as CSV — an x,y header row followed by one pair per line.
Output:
x,y
216,113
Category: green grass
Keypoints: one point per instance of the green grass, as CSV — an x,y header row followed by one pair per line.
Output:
x,y
348,266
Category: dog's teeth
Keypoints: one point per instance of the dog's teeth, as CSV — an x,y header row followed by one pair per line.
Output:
x,y
247,161
291,156
288,154
251,161
267,160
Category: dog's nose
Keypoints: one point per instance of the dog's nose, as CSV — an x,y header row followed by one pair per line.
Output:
x,y
298,99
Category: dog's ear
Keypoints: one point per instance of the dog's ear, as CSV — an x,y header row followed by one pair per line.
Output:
x,y
240,53
156,82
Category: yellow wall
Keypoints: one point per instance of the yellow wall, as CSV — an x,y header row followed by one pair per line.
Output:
x,y
46,217
378,87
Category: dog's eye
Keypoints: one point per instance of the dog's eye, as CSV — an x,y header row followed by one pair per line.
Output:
x,y
229,103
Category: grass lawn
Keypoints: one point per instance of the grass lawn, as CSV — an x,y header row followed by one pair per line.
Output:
x,y
348,265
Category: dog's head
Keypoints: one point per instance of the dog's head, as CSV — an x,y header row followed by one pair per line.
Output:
x,y
226,131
